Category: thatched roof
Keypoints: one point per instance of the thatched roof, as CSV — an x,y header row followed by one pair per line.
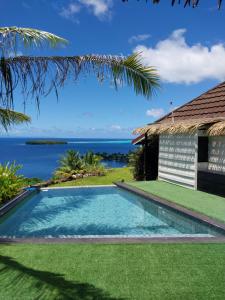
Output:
x,y
214,127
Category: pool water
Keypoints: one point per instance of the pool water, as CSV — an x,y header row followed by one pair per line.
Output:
x,y
96,211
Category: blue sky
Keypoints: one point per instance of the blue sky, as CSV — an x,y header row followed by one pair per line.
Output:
x,y
186,45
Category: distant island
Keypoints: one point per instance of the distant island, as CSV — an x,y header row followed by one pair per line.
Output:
x,y
45,142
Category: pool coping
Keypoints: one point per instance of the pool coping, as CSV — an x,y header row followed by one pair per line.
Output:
x,y
17,199
176,207
77,187
118,240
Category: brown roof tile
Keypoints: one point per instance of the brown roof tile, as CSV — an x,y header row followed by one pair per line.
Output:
x,y
208,105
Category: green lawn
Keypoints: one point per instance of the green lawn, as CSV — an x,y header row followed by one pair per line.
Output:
x,y
104,272
120,271
208,204
111,176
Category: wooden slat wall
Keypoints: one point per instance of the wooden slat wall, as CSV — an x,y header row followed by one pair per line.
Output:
x,y
177,159
217,154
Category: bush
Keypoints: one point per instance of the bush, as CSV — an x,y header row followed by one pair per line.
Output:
x,y
72,163
10,182
136,161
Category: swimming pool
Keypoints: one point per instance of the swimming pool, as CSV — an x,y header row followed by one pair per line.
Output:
x,y
96,212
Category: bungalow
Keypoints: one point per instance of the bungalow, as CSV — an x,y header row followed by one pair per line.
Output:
x,y
187,146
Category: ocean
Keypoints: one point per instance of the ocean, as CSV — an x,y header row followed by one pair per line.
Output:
x,y
41,160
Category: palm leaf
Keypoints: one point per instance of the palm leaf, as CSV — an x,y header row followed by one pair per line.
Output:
x,y
193,3
30,73
11,36
10,117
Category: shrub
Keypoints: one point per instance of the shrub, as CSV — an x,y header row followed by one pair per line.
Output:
x,y
136,161
10,182
72,164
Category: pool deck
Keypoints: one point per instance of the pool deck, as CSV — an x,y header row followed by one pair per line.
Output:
x,y
131,240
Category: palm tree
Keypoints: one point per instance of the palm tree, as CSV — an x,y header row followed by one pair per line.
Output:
x,y
70,164
10,117
30,73
91,159
193,3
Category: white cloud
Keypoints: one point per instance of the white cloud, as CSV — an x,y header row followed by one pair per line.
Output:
x,y
100,8
70,11
179,62
139,38
155,112
116,127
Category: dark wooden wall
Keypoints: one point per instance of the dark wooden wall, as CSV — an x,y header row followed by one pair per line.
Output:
x,y
211,183
151,158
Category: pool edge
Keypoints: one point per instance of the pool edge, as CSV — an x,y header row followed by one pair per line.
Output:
x,y
176,207
122,240
4,209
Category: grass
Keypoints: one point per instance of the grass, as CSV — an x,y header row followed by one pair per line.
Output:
x,y
208,204
111,176
104,272
121,271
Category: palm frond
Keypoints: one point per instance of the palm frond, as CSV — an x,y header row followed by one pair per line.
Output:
x,y
11,36
10,117
193,3
38,76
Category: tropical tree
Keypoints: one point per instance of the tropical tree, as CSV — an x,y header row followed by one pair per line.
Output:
x,y
91,159
70,164
193,3
92,163
38,76
10,117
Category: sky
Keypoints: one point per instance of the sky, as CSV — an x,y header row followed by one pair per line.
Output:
x,y
186,46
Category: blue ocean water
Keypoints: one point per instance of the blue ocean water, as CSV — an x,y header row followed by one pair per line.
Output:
x,y
102,211
41,160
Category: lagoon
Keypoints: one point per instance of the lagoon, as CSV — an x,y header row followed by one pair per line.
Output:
x,y
41,160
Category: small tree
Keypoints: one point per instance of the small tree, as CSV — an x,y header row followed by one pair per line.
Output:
x,y
70,164
136,162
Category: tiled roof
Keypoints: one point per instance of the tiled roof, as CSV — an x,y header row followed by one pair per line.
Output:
x,y
209,105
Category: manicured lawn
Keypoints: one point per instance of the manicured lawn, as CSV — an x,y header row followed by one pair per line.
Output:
x,y
208,204
153,271
111,176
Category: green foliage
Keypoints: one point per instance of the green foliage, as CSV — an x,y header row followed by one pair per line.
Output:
x,y
91,159
9,117
31,73
136,162
133,72
10,182
117,156
73,163
31,181
12,36
70,164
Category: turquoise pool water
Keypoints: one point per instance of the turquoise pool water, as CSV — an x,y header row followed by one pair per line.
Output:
x,y
96,211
